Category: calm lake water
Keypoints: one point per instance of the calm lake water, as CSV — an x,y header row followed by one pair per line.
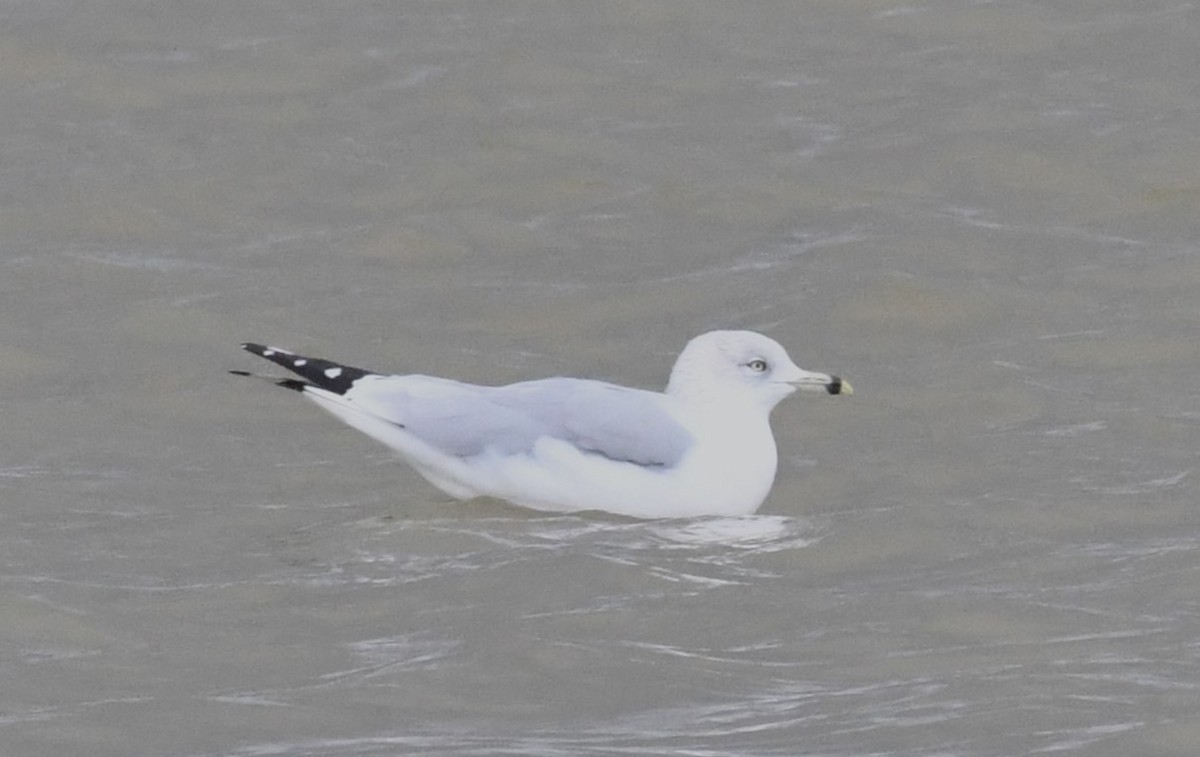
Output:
x,y
986,215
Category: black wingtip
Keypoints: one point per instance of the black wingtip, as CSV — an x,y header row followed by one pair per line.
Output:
x,y
263,350
325,374
295,385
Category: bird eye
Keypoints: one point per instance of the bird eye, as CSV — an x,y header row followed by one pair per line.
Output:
x,y
758,365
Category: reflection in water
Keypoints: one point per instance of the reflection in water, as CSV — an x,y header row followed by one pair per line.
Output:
x,y
760,532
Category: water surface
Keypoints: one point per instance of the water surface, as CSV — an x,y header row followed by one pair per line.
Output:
x,y
983,214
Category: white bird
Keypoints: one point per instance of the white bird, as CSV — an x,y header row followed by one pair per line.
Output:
x,y
702,447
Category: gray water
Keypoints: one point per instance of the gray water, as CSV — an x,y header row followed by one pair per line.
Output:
x,y
986,215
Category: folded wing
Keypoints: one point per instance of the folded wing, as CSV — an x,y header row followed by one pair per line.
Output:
x,y
464,420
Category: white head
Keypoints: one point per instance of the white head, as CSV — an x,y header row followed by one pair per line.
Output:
x,y
742,364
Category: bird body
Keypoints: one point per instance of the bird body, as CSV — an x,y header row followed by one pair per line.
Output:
x,y
702,447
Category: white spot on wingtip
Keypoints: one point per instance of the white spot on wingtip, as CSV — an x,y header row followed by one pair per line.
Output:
x,y
333,372
300,362
268,353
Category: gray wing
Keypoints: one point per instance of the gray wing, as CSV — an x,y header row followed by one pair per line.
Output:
x,y
628,425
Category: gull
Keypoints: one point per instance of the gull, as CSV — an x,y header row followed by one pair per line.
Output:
x,y
702,447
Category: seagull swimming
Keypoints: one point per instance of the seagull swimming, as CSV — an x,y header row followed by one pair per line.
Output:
x,y
702,447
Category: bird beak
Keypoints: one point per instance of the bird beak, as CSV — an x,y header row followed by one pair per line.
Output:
x,y
821,381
